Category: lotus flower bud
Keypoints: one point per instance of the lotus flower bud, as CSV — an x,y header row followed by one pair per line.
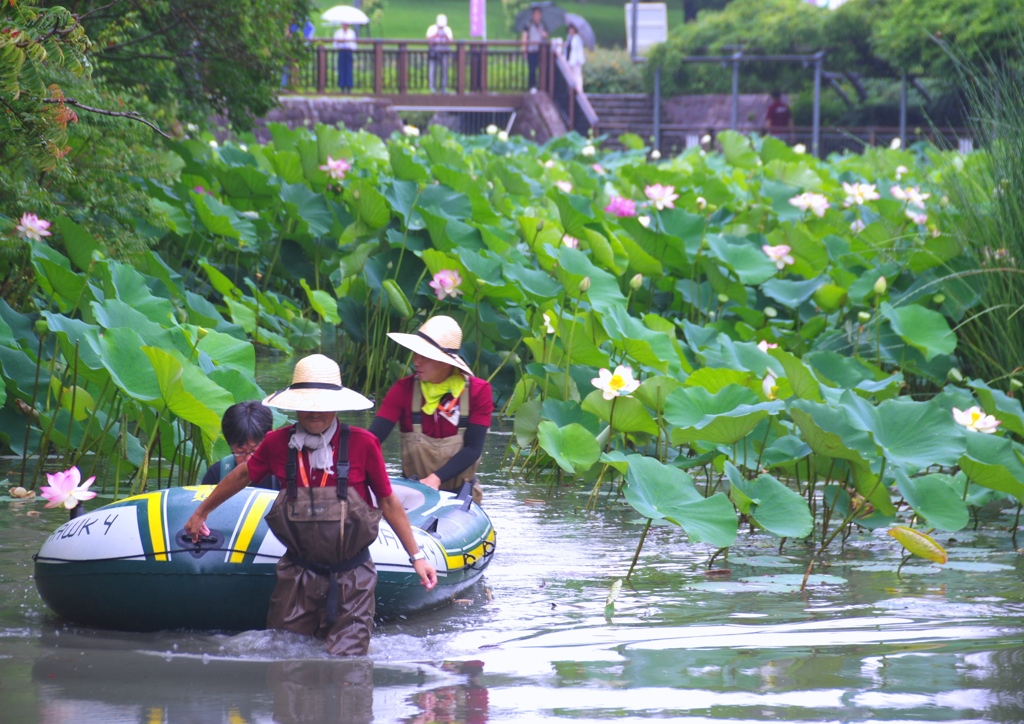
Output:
x,y
1015,384
723,298
42,327
584,285
955,375
771,312
939,298
636,282
880,286
863,317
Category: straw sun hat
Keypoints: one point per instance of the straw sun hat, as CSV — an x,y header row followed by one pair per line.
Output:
x,y
316,387
439,338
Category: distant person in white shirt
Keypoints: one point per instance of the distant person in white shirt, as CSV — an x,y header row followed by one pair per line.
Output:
x,y
345,43
574,56
533,36
439,36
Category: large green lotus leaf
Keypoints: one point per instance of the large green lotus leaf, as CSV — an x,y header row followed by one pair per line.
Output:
x,y
132,288
715,379
228,352
240,385
935,252
536,284
921,328
188,393
994,462
996,402
72,331
565,412
322,303
113,313
485,266
779,195
935,497
604,293
574,212
640,261
653,391
579,343
128,365
802,381
20,370
790,292
660,491
527,422
369,204
308,209
639,342
627,415
784,450
58,281
174,218
78,242
723,418
775,507
737,150
749,262
287,165
573,447
223,220
913,435
247,182
405,165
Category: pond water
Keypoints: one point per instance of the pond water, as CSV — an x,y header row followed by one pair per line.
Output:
x,y
532,641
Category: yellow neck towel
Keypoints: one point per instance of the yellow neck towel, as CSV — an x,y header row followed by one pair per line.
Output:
x,y
434,391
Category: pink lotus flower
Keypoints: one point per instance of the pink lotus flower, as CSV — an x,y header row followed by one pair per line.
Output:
x,y
816,203
919,219
33,228
764,345
857,226
859,194
570,241
901,171
199,190
564,186
336,168
598,168
64,489
446,283
663,197
621,207
779,255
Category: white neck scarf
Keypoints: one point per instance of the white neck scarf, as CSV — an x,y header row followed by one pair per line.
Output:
x,y
321,454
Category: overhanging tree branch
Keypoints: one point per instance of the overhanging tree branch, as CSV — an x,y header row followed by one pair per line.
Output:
x,y
131,115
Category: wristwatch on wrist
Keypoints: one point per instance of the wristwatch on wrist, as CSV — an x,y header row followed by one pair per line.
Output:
x,y
417,556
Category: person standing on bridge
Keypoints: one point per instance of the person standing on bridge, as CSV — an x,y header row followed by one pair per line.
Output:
x,y
533,36
345,43
439,37
574,56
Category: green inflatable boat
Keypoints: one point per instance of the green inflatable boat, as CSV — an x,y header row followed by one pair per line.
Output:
x,y
130,566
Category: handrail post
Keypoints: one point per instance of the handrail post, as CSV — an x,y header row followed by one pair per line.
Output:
x,y
378,67
543,82
460,68
819,57
403,68
321,69
483,67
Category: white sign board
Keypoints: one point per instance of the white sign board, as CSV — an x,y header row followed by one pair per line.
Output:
x,y
651,25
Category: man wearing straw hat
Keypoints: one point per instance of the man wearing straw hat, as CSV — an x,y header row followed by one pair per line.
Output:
x,y
443,411
325,513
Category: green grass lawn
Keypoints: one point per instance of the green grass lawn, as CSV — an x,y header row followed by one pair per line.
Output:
x,y
411,18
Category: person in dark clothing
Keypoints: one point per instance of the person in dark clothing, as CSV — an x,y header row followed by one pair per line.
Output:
x,y
533,37
778,117
244,426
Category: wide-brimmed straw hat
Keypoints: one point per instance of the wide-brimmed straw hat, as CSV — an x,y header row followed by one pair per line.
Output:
x,y
316,387
439,338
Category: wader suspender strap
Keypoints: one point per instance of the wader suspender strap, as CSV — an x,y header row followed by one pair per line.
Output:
x,y
341,465
417,407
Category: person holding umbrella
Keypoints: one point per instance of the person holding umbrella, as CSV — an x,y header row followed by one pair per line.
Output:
x,y
534,34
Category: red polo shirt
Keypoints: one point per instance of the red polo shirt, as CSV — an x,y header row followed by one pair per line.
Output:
x,y
397,407
366,463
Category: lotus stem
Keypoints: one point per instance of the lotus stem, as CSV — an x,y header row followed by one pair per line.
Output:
x,y
636,556
28,425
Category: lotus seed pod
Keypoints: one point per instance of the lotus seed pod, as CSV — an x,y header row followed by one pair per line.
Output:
x,y
1016,384
880,286
636,282
863,317
723,298
955,375
771,312
584,285
201,332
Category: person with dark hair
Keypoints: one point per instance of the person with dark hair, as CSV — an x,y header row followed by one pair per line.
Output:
x,y
574,56
244,426
533,36
778,116
443,411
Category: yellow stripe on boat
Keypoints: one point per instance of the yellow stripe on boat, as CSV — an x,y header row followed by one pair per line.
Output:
x,y
155,514
252,522
469,558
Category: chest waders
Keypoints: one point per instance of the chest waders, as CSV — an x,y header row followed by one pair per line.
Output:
x,y
325,580
423,455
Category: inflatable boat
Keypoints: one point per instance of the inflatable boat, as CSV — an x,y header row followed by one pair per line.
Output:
x,y
130,565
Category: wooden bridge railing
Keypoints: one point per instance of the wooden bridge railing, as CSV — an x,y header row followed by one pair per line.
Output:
x,y
401,67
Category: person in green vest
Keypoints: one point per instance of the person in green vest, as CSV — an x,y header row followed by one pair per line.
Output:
x,y
244,426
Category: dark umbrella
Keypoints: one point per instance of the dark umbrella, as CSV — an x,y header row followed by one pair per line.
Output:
x,y
551,15
586,32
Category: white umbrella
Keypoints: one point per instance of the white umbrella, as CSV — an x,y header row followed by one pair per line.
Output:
x,y
344,15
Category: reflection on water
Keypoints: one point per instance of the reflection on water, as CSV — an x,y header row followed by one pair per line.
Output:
x,y
531,641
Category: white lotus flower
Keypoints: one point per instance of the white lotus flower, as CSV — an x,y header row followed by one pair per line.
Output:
x,y
615,384
800,148
702,203
588,150
548,326
816,203
655,154
491,129
895,144
570,241
645,221
857,226
859,193
901,171
917,218
769,385
663,197
974,419
411,131
779,255
705,139
502,135
916,198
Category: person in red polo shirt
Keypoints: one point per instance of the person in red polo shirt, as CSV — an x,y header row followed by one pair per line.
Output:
x,y
443,411
325,514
